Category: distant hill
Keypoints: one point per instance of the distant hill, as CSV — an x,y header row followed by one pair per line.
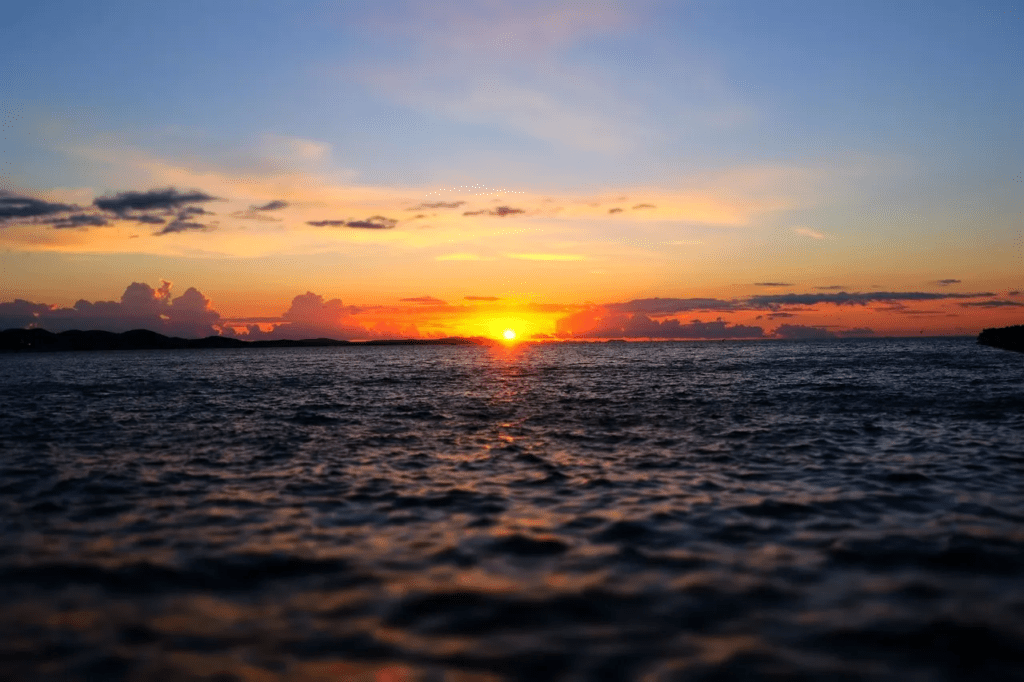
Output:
x,y
1007,338
40,340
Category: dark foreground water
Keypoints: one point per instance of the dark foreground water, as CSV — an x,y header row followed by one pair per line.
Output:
x,y
677,511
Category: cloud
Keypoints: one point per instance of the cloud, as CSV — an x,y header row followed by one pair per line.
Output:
x,y
993,304
547,256
310,308
327,223
832,287
598,323
844,298
1013,293
377,222
481,298
167,199
79,220
426,300
21,313
311,316
639,206
275,205
14,207
615,210
149,219
181,225
190,315
259,211
438,204
500,211
670,306
808,232
799,331
947,282
772,284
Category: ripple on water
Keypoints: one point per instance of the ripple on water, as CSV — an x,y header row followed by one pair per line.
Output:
x,y
818,511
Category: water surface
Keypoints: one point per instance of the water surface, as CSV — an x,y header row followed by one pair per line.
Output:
x,y
663,511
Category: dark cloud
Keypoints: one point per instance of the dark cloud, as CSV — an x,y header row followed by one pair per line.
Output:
x,y
190,211
615,210
168,199
642,327
377,222
13,207
482,298
772,284
833,287
598,322
799,331
638,206
500,211
79,220
327,223
772,316
21,313
668,306
275,205
149,219
1013,293
843,298
947,282
258,212
141,307
427,300
993,304
181,225
438,204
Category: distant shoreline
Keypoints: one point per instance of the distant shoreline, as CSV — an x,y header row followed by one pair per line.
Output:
x,y
42,341
1006,338
19,340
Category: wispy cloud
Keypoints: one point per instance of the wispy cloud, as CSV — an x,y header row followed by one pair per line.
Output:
x,y
425,300
808,232
993,304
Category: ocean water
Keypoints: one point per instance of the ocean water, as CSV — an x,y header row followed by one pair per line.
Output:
x,y
846,510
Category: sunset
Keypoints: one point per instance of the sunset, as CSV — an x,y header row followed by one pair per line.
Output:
x,y
512,340
429,169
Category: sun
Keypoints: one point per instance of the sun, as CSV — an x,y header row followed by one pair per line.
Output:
x,y
509,334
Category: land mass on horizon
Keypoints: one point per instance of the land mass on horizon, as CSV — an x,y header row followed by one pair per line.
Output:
x,y
40,340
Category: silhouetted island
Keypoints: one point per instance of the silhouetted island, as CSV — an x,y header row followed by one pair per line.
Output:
x,y
1007,338
40,340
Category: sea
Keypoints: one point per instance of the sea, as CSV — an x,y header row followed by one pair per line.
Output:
x,y
765,510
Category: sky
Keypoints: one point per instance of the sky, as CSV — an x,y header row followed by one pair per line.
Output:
x,y
591,169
